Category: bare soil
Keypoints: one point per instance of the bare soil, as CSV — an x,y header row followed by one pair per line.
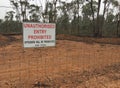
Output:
x,y
75,62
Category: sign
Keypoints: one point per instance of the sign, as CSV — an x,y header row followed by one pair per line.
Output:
x,y
38,34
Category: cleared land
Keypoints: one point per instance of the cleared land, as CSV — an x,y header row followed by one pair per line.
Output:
x,y
75,62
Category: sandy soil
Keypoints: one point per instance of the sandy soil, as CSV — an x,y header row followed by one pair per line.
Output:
x,y
75,62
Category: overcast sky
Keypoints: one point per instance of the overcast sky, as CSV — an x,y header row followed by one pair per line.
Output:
x,y
2,9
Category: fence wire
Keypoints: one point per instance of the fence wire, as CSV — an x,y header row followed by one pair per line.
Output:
x,y
70,64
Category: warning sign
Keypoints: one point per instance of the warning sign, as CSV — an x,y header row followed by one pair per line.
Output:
x,y
38,34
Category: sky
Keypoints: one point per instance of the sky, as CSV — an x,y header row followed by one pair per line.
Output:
x,y
2,9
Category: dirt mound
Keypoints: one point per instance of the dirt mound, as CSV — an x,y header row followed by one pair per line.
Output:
x,y
115,41
98,78
90,40
67,37
3,38
72,63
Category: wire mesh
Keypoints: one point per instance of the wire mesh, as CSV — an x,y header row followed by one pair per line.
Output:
x,y
70,64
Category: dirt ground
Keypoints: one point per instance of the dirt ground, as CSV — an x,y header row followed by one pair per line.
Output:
x,y
75,62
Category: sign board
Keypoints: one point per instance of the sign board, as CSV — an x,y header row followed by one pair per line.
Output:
x,y
38,34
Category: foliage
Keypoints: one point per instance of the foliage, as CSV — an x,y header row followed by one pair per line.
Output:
x,y
11,27
78,17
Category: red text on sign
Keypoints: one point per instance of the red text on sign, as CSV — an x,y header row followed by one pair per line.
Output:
x,y
39,31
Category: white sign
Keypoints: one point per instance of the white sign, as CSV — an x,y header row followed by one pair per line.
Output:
x,y
38,34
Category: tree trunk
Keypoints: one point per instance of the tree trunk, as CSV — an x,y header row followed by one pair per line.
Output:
x,y
98,32
93,18
78,17
103,17
22,10
118,24
25,9
54,18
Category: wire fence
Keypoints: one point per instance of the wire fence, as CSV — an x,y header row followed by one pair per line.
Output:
x,y
70,64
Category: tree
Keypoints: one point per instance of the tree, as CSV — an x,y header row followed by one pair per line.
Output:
x,y
104,11
64,18
107,8
98,32
117,5
9,15
34,13
51,11
6,18
89,11
118,22
55,10
1,21
78,2
22,5
15,4
93,13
